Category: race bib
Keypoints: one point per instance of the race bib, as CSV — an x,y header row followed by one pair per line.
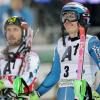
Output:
x,y
69,73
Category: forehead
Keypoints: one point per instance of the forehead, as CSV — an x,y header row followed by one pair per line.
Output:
x,y
13,26
69,13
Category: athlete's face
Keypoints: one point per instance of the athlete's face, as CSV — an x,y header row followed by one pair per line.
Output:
x,y
13,35
70,23
71,27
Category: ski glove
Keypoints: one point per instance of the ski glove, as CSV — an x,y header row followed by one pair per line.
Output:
x,y
34,96
80,89
2,85
18,86
95,95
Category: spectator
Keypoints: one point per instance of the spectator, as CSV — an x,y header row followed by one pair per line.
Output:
x,y
16,8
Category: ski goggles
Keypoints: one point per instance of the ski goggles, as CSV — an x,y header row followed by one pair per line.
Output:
x,y
70,16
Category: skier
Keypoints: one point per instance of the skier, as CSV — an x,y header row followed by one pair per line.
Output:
x,y
66,56
18,63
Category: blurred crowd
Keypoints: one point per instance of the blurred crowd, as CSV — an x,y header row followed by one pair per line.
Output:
x,y
42,14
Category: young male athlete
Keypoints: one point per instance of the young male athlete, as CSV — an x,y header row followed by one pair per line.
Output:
x,y
18,63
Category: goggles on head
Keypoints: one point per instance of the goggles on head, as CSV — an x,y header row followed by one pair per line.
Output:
x,y
70,16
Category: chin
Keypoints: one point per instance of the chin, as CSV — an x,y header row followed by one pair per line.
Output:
x,y
71,31
12,43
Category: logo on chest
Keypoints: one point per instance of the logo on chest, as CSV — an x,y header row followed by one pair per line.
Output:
x,y
69,52
12,67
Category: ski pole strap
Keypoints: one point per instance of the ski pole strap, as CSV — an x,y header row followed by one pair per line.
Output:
x,y
82,89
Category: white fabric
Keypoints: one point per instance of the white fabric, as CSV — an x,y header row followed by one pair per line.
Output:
x,y
89,67
30,64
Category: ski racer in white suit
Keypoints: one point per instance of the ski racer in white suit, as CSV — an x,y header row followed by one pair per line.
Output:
x,y
17,60
66,56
